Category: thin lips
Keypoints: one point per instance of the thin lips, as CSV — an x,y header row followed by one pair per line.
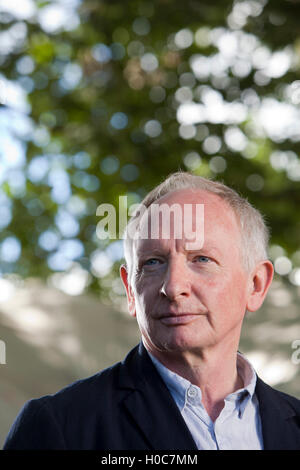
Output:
x,y
178,314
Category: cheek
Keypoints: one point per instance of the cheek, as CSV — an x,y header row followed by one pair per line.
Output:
x,y
226,293
144,294
234,301
147,301
147,288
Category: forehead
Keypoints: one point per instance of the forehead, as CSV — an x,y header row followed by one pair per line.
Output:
x,y
219,223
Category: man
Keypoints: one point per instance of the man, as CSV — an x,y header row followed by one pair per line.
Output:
x,y
186,386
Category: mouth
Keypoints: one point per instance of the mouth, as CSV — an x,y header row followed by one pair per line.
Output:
x,y
177,319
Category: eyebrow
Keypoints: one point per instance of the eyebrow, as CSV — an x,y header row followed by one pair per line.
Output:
x,y
210,249
155,251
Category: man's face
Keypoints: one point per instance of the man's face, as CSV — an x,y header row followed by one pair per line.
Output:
x,y
191,300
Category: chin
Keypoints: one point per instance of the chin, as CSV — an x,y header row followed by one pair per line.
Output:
x,y
180,342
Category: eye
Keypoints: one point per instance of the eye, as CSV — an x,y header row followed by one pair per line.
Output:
x,y
202,259
151,262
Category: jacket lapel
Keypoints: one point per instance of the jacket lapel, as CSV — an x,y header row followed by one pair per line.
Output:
x,y
151,405
277,418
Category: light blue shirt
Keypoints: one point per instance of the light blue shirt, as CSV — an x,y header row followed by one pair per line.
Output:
x,y
238,426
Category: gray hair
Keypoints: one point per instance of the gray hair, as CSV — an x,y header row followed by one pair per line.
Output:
x,y
254,231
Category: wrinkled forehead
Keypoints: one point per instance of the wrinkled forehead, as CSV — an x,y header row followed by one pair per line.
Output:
x,y
193,218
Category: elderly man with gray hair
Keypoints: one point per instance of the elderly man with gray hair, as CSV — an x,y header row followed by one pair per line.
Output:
x,y
195,262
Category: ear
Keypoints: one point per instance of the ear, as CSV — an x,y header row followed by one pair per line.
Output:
x,y
260,282
129,292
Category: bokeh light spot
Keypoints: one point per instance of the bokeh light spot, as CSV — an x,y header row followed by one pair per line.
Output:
x,y
184,38
109,165
149,62
119,120
283,265
192,160
49,240
153,128
10,250
130,172
141,26
255,182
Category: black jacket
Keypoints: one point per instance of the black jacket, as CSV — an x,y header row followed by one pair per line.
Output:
x,y
128,407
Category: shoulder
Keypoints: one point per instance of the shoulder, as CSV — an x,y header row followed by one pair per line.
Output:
x,y
69,416
95,392
81,394
84,394
291,400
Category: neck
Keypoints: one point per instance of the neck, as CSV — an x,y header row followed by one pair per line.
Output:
x,y
213,371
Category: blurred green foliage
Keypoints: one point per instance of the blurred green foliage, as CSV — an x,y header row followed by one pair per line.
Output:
x,y
121,94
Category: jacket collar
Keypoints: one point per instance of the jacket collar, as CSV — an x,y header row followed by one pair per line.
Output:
x,y
276,416
151,405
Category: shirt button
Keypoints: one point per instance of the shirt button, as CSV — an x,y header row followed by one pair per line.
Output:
x,y
192,392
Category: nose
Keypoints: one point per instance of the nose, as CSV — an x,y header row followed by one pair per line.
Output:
x,y
176,281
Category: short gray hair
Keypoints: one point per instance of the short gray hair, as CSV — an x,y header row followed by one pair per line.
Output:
x,y
254,231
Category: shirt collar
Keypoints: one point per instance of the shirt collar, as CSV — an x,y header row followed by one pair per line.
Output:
x,y
248,375
175,383
179,386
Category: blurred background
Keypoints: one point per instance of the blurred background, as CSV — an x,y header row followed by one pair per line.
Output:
x,y
101,99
